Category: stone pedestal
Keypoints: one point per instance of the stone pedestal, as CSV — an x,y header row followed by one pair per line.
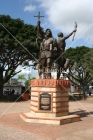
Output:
x,y
49,102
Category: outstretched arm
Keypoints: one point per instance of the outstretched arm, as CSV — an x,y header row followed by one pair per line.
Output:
x,y
39,31
66,37
39,35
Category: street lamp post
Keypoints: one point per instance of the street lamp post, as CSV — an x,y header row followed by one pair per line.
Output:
x,y
1,79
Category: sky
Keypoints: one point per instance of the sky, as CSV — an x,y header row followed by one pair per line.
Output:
x,y
59,16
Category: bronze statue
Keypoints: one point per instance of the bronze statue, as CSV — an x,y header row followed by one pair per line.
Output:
x,y
63,63
48,47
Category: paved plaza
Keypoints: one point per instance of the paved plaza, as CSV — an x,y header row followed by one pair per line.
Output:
x,y
12,127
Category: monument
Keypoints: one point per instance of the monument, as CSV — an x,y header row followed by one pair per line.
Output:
x,y
49,97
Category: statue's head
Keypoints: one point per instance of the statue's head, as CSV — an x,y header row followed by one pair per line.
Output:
x,y
60,34
48,33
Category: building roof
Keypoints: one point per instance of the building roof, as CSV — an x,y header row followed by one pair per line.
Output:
x,y
13,82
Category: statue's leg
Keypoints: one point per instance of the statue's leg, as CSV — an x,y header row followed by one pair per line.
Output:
x,y
48,68
40,70
58,69
43,61
67,63
58,74
61,62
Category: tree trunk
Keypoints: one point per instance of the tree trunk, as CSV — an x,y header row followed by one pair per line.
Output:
x,y
84,95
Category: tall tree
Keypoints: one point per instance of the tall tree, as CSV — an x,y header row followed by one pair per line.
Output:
x,y
76,54
88,61
79,76
12,53
17,44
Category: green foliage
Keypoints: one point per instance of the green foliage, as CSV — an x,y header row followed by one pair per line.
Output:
x,y
24,33
15,35
21,77
76,54
79,76
83,58
33,78
88,61
27,82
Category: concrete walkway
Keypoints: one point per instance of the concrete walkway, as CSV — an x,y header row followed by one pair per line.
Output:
x,y
12,127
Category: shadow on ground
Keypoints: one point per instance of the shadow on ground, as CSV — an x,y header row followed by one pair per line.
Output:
x,y
82,113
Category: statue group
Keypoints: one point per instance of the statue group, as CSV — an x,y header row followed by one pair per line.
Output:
x,y
51,52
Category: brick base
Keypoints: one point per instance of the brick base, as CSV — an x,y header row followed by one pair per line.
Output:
x,y
28,117
54,97
58,97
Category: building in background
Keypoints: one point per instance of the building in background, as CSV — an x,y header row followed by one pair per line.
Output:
x,y
13,87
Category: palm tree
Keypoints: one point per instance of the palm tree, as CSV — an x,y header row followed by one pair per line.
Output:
x,y
27,82
21,78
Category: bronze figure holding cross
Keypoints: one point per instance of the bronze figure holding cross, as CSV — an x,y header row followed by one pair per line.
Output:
x,y
48,47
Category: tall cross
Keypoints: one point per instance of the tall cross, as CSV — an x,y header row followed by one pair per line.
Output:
x,y
39,16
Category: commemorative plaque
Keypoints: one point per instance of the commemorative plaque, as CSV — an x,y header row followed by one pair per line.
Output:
x,y
45,101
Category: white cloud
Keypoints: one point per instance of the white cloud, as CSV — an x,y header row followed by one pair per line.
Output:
x,y
63,13
26,70
29,8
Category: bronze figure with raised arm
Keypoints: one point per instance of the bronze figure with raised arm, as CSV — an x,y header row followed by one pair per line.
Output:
x,y
63,63
47,45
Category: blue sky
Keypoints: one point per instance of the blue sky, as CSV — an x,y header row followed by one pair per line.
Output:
x,y
59,15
